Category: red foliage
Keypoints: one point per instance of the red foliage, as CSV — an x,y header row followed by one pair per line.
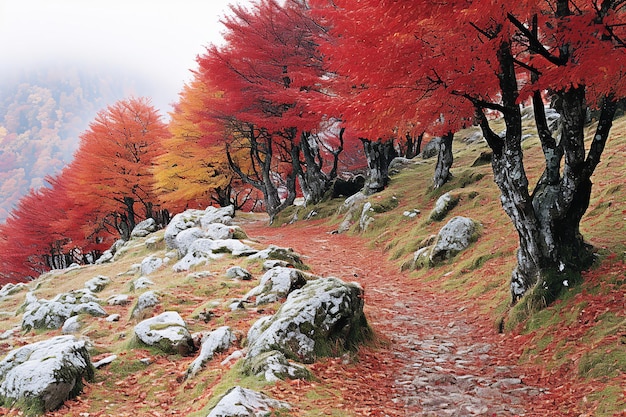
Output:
x,y
27,237
110,179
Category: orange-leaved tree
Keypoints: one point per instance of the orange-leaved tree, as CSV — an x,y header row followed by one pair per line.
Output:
x,y
111,174
188,173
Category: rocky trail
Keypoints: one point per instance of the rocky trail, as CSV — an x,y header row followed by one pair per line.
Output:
x,y
440,355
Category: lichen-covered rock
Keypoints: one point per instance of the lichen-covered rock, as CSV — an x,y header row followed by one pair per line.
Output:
x,y
324,316
41,376
167,331
223,215
51,314
243,402
443,205
453,238
218,340
150,264
274,366
275,284
144,228
97,283
202,251
278,253
144,301
237,272
182,221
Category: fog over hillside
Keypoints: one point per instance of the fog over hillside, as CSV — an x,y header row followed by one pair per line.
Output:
x,y
42,114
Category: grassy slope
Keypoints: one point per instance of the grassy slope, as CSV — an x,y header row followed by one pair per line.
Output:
x,y
581,338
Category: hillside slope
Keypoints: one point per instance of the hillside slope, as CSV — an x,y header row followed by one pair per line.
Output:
x,y
438,349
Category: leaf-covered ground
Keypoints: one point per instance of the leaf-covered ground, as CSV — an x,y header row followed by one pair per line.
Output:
x,y
437,351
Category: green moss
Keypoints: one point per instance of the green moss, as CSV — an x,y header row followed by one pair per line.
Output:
x,y
384,205
610,401
549,287
603,362
30,406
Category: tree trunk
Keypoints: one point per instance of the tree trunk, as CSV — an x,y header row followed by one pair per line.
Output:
x,y
552,251
379,155
413,145
444,161
313,181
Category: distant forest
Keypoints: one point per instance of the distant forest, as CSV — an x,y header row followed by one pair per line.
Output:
x,y
42,113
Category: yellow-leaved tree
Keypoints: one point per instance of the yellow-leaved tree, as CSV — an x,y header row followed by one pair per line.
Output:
x,y
193,171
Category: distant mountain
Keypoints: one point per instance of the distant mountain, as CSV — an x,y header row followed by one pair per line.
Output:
x,y
42,114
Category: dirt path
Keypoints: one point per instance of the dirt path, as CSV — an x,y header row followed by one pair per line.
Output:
x,y
443,358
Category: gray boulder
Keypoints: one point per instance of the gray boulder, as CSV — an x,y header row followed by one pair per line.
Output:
x,y
275,284
219,231
218,340
118,300
181,221
223,215
431,149
202,251
316,320
146,300
71,325
243,402
51,314
144,228
185,238
453,238
237,272
274,366
10,289
167,331
365,220
41,376
443,205
97,283
278,253
149,264
141,283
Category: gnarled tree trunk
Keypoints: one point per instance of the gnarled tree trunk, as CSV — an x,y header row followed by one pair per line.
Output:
x,y
314,182
444,161
379,155
552,250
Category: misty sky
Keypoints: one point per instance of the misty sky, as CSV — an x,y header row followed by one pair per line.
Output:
x,y
154,40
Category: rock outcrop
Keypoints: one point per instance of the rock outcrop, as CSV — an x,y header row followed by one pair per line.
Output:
x,y
51,314
39,377
167,331
243,402
321,318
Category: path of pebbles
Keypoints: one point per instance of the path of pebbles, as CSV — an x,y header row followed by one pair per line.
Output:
x,y
453,363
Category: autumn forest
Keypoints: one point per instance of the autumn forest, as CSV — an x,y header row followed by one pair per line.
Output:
x,y
303,94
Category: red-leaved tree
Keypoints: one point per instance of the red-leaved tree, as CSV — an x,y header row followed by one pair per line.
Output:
x,y
269,71
478,57
111,174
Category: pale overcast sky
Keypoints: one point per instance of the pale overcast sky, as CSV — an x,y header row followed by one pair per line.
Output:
x,y
155,39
